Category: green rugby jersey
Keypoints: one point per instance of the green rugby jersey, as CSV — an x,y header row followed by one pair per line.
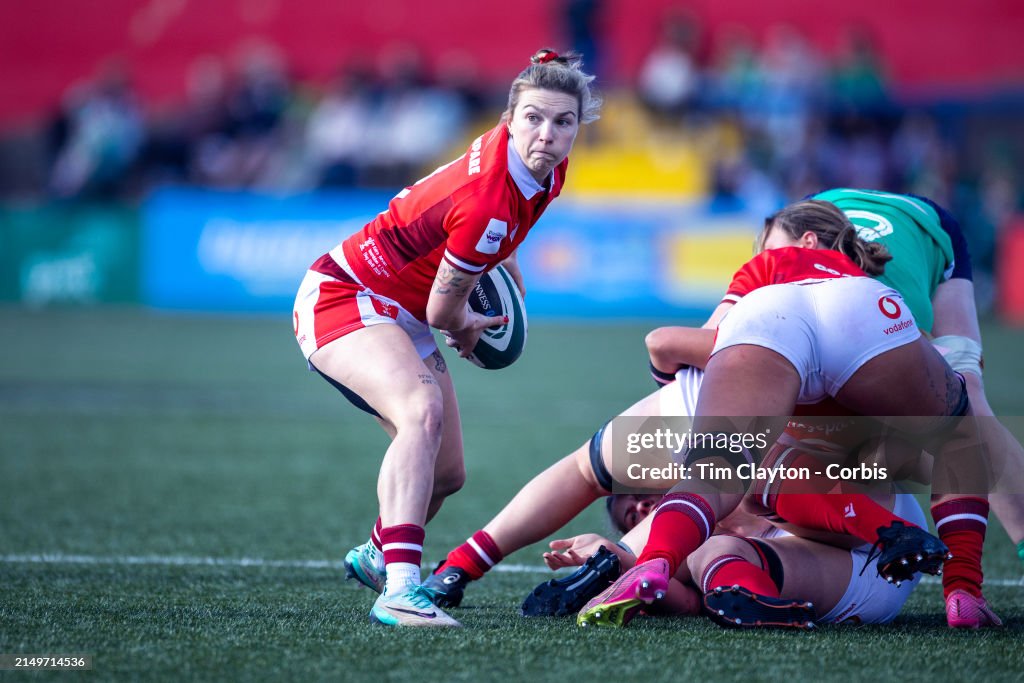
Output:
x,y
912,232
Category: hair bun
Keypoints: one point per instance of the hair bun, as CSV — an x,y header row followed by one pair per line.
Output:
x,y
545,56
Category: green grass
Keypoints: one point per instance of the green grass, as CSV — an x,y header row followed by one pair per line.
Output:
x,y
125,434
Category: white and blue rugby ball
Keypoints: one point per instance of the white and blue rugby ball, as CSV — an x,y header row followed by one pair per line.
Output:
x,y
496,294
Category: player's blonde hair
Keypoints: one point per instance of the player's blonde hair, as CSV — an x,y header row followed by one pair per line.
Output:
x,y
561,73
834,231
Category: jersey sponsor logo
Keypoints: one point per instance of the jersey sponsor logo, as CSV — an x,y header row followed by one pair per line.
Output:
x,y
899,327
870,226
474,155
889,308
494,233
826,269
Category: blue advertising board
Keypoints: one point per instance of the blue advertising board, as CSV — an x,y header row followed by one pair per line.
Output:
x,y
217,251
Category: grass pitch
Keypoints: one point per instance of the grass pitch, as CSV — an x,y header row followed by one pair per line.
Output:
x,y
177,494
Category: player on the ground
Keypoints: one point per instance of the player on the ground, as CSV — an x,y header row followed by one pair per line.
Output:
x,y
811,581
581,477
364,312
565,489
807,323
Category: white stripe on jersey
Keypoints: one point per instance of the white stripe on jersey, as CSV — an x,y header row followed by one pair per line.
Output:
x,y
338,254
460,264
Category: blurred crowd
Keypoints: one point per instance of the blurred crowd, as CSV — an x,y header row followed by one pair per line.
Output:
x,y
254,127
798,121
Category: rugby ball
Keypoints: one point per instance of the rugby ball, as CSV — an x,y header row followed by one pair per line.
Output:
x,y
496,294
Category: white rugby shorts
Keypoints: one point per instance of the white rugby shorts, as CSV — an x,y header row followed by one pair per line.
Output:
x,y
827,329
327,309
870,599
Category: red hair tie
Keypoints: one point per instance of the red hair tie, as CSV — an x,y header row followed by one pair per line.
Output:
x,y
547,57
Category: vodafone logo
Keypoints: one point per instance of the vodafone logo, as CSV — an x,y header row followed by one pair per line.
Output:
x,y
889,308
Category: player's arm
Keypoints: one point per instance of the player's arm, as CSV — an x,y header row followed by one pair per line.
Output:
x,y
474,241
448,310
672,348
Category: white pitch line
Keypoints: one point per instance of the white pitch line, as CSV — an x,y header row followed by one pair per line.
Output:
x,y
186,561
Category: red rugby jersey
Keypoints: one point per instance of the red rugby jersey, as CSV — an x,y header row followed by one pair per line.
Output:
x,y
789,265
472,212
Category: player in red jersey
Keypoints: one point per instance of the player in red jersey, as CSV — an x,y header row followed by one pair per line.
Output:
x,y
820,578
364,312
915,231
806,324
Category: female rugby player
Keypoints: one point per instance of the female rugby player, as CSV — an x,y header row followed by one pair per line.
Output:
x,y
364,312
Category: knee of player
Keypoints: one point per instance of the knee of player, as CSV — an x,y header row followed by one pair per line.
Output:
x,y
713,549
422,413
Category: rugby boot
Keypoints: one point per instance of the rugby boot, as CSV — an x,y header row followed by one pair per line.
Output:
x,y
905,550
412,607
620,602
561,597
365,564
964,610
447,588
738,607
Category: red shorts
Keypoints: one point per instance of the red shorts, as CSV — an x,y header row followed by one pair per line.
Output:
x,y
327,308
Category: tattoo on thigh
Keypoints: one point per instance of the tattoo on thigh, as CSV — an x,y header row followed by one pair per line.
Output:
x,y
439,363
427,378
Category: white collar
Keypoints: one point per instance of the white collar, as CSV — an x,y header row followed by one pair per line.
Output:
x,y
525,181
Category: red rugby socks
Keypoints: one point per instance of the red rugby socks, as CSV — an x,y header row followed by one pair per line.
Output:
x,y
733,570
682,522
403,552
961,524
474,557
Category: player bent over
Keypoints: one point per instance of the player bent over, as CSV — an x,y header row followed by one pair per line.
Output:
x,y
808,323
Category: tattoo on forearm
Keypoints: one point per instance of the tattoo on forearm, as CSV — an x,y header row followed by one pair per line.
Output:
x,y
426,378
439,363
450,280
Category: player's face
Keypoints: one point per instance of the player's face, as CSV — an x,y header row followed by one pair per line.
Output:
x,y
543,128
629,510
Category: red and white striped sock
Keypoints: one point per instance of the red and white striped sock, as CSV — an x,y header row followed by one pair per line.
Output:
x,y
733,570
403,552
682,522
474,557
961,525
